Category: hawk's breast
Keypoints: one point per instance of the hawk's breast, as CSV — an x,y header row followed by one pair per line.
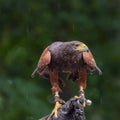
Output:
x,y
64,57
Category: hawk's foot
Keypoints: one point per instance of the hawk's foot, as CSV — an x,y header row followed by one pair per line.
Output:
x,y
81,95
58,104
55,110
84,99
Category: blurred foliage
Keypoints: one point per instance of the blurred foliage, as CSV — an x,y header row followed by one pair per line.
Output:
x,y
28,26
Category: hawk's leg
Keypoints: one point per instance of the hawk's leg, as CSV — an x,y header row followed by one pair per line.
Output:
x,y
55,89
82,84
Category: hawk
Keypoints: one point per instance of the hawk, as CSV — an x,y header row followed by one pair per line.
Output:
x,y
72,58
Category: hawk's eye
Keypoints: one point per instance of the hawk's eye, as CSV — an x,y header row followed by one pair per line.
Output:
x,y
77,45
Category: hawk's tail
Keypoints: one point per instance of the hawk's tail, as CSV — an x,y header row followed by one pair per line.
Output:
x,y
32,75
99,71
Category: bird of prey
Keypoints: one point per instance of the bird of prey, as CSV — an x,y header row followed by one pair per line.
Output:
x,y
72,58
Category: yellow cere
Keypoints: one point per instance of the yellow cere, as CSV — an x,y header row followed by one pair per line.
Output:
x,y
81,47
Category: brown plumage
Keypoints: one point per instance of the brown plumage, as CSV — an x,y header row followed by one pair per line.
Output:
x,y
64,57
72,58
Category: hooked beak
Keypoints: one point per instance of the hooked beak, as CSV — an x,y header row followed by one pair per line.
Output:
x,y
82,48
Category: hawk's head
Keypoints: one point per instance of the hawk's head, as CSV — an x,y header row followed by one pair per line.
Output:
x,y
81,47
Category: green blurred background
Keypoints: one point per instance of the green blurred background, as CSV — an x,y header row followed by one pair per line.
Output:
x,y
28,26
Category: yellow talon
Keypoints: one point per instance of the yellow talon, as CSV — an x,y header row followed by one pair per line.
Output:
x,y
76,97
55,110
81,95
84,104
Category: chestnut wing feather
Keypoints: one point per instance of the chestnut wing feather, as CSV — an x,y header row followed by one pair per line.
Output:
x,y
43,61
89,60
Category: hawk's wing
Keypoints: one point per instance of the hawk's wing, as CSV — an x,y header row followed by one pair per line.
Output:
x,y
89,60
43,61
